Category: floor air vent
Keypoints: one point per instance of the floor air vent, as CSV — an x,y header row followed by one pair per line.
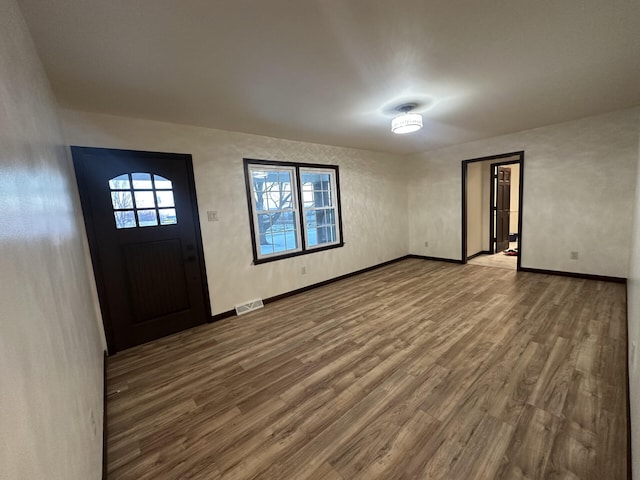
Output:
x,y
249,306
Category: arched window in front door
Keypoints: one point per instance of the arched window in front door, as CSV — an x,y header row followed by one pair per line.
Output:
x,y
142,200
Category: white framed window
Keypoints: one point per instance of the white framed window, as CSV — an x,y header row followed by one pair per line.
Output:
x,y
294,208
274,203
319,202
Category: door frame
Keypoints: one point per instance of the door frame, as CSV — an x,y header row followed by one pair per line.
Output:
x,y
465,163
81,173
492,193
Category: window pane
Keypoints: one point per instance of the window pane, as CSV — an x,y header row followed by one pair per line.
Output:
x,y
320,217
316,190
321,227
266,249
291,240
310,218
321,198
328,200
162,183
259,187
285,221
312,236
271,200
120,183
165,198
259,191
168,216
285,180
125,219
279,242
147,218
326,234
272,190
284,200
141,180
283,239
277,232
307,194
264,224
319,178
121,200
144,199
325,217
309,177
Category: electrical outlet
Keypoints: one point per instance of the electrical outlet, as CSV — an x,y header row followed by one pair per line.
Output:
x,y
426,244
212,216
573,256
304,270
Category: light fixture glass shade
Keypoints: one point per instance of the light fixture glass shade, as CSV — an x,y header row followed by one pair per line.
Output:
x,y
406,123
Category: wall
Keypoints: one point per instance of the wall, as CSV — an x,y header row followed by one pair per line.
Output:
x,y
579,179
373,195
50,347
475,213
633,318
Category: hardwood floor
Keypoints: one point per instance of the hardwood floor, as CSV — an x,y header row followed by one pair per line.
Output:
x,y
498,259
416,370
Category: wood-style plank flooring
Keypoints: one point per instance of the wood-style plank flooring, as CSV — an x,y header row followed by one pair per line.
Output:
x,y
416,370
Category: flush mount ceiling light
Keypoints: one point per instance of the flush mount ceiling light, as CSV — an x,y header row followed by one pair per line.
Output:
x,y
407,121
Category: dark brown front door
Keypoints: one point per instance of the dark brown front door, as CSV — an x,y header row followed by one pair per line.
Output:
x,y
502,206
142,222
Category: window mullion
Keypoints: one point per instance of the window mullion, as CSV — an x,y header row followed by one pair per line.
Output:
x,y
301,213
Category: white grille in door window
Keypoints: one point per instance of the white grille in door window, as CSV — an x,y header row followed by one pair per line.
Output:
x,y
142,199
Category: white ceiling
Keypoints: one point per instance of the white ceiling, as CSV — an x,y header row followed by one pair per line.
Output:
x,y
331,71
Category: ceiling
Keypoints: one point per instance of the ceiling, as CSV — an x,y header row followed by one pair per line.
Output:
x,y
332,71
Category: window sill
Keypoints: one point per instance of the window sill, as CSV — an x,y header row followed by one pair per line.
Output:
x,y
258,261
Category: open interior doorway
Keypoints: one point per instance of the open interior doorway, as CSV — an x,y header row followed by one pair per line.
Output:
x,y
492,210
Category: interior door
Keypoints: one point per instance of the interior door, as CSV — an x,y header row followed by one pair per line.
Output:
x,y
142,223
502,207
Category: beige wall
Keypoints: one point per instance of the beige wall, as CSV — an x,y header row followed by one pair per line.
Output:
x,y
373,195
633,318
475,214
50,347
578,194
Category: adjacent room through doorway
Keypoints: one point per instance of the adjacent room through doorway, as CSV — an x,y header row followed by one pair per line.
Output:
x,y
491,210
